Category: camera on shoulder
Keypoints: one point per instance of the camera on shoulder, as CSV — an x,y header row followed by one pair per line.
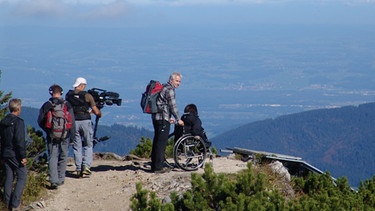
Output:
x,y
103,97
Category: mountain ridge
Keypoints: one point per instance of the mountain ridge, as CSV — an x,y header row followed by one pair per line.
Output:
x,y
338,140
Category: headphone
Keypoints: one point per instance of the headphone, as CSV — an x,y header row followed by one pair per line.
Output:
x,y
54,87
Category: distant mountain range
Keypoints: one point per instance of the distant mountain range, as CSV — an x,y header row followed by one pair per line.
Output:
x,y
338,140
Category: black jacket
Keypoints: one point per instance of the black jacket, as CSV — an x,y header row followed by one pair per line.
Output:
x,y
12,132
192,124
80,106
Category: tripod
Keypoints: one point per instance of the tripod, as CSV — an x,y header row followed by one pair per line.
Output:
x,y
103,138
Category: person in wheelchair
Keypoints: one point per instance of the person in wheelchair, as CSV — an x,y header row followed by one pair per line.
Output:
x,y
192,125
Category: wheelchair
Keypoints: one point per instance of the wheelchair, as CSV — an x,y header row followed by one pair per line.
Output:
x,y
189,153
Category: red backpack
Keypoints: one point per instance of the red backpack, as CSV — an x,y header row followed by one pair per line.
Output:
x,y
150,96
58,121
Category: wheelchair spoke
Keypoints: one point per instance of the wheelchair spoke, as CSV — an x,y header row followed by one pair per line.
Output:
x,y
189,153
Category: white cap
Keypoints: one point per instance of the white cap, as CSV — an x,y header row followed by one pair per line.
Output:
x,y
79,81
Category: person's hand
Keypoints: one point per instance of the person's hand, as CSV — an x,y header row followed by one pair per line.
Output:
x,y
180,122
197,137
171,121
24,161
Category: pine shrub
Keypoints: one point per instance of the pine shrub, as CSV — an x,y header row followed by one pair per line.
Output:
x,y
254,190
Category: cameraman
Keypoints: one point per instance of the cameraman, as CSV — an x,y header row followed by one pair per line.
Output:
x,y
83,104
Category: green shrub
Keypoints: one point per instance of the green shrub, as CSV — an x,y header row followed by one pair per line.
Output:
x,y
144,200
254,189
144,148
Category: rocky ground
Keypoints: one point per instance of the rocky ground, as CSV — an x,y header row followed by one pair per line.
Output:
x,y
113,182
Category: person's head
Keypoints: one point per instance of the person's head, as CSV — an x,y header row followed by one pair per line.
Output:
x,y
15,106
55,90
191,108
175,79
80,84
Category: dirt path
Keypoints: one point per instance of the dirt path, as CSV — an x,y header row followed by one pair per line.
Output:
x,y
113,182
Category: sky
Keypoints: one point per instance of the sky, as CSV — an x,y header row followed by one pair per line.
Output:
x,y
120,13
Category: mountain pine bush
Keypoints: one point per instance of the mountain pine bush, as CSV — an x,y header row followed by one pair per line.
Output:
x,y
254,189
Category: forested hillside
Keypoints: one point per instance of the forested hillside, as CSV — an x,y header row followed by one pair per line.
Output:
x,y
339,140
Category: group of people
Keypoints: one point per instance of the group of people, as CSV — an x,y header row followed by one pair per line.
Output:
x,y
81,104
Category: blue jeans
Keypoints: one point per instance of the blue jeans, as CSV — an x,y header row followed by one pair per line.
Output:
x,y
83,144
58,154
12,168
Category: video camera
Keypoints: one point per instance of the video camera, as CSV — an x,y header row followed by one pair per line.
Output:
x,y
102,97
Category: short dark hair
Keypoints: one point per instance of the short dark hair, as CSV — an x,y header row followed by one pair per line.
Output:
x,y
55,89
191,108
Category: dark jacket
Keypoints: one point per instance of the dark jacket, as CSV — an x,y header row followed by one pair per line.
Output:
x,y
12,132
80,105
48,106
192,124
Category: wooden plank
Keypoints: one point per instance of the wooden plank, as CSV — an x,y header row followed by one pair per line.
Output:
x,y
254,152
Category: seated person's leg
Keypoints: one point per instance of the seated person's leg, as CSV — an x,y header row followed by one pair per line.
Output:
x,y
178,132
206,142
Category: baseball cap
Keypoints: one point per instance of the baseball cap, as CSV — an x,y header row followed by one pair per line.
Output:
x,y
79,81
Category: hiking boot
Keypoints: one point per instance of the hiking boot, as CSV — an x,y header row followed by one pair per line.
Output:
x,y
79,174
163,170
53,186
86,171
19,208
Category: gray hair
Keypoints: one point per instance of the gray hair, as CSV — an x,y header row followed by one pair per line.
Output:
x,y
14,105
174,74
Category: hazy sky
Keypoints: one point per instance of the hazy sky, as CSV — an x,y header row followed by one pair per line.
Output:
x,y
155,12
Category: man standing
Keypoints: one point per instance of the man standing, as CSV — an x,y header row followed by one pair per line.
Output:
x,y
13,150
58,146
162,121
83,104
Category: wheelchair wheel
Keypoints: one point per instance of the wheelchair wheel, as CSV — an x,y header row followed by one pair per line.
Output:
x,y
189,154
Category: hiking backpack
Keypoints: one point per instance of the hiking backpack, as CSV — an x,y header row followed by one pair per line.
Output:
x,y
150,96
58,121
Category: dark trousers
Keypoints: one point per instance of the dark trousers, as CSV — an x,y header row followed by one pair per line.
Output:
x,y
161,129
14,170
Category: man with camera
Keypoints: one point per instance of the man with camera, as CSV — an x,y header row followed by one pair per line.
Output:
x,y
83,105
